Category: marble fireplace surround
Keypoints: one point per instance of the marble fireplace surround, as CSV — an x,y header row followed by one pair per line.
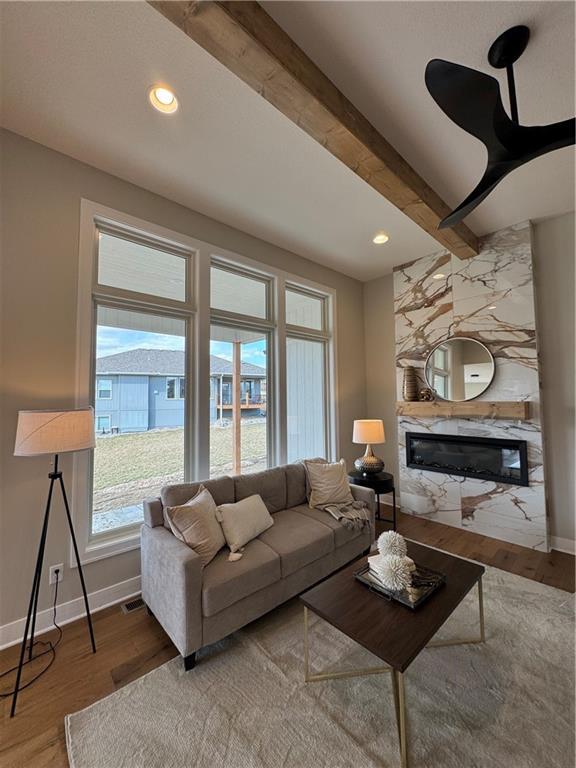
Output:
x,y
490,298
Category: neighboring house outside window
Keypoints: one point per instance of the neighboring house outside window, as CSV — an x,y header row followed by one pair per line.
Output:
x,y
148,390
104,389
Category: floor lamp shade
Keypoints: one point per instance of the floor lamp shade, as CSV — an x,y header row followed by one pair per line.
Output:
x,y
40,432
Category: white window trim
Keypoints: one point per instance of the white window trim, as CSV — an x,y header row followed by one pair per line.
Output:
x,y
280,330
92,217
197,420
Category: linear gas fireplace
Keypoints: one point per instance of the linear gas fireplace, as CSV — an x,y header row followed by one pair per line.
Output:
x,y
504,461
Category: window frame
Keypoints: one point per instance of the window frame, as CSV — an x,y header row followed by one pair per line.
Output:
x,y
198,317
91,294
323,330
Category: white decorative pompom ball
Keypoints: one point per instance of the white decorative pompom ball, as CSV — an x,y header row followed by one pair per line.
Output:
x,y
394,572
392,543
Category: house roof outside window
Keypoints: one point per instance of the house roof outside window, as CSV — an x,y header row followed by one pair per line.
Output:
x,y
166,362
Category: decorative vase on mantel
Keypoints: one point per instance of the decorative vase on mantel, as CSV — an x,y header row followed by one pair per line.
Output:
x,y
410,386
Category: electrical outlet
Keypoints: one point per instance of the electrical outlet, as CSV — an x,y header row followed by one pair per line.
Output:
x,y
54,577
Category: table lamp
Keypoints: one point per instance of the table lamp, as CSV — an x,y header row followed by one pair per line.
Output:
x,y
370,432
51,432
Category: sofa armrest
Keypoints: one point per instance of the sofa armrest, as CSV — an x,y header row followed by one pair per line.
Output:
x,y
367,495
172,586
153,512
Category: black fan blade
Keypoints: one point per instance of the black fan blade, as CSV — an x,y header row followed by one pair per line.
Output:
x,y
469,98
472,100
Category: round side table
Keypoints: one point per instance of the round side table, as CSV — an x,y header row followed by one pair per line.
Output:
x,y
381,482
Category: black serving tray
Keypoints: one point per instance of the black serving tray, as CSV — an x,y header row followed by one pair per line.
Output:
x,y
425,582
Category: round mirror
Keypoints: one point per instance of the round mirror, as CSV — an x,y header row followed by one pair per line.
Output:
x,y
459,369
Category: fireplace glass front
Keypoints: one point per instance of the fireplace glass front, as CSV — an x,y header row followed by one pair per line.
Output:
x,y
503,461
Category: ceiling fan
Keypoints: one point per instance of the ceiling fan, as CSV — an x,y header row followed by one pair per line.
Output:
x,y
472,100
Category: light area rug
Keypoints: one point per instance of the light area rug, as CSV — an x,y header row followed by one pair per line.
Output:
x,y
508,703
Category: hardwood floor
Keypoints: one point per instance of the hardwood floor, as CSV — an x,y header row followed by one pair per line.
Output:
x,y
129,645
553,568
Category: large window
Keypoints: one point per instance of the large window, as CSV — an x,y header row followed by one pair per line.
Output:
x,y
135,345
307,381
141,445
198,362
306,395
240,309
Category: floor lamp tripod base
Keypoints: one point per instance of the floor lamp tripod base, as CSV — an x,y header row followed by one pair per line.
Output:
x,y
55,477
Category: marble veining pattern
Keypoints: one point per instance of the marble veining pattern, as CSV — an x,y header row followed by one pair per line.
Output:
x,y
489,298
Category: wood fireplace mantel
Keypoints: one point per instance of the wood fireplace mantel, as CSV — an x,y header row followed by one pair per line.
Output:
x,y
479,409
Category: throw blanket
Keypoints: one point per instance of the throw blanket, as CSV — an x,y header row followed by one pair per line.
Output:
x,y
354,514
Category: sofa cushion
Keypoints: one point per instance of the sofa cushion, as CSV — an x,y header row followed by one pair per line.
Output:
x,y
221,489
342,535
225,583
298,540
270,485
295,485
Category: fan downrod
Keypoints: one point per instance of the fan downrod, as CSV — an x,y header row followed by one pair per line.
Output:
x,y
504,51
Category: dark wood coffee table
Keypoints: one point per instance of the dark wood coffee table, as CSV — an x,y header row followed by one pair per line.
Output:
x,y
391,631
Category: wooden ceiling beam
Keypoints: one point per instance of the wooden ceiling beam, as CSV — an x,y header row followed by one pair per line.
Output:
x,y
248,42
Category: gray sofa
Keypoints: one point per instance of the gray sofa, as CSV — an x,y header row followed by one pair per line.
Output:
x,y
199,606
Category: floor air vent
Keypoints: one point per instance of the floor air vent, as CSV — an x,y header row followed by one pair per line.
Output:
x,y
133,605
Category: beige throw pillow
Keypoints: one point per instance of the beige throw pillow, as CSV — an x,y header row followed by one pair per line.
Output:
x,y
328,483
196,525
243,521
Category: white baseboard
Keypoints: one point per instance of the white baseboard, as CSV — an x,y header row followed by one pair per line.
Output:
x,y
10,634
563,545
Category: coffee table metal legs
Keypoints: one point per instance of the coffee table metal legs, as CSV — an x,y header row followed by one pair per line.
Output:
x,y
397,687
397,677
401,717
318,676
472,640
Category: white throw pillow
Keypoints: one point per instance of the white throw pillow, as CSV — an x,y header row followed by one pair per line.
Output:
x,y
195,524
243,521
328,483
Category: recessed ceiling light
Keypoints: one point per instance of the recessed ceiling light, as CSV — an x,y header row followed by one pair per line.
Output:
x,y
438,276
163,99
380,238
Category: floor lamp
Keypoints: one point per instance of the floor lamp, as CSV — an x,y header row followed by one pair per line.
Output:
x,y
51,432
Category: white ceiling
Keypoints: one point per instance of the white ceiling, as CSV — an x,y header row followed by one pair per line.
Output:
x,y
75,76
376,53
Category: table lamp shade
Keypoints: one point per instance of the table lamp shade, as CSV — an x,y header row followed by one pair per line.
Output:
x,y
40,432
369,431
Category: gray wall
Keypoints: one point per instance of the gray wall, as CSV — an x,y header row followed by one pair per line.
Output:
x,y
553,250
40,219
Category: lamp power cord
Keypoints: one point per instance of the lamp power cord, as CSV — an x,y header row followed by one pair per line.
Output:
x,y
48,646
